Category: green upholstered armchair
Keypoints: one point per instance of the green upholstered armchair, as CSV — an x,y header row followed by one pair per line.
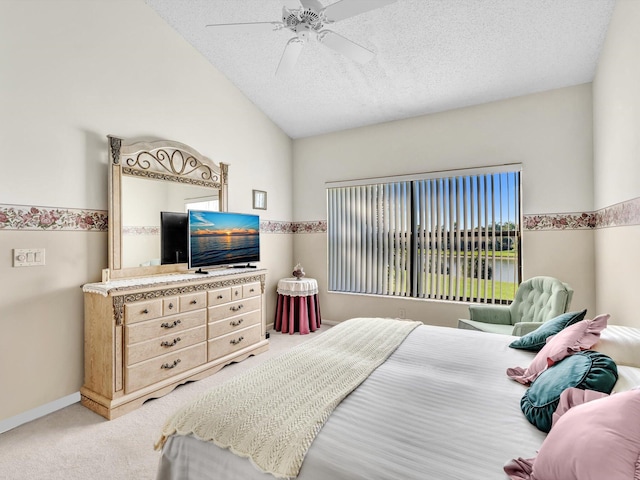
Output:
x,y
537,300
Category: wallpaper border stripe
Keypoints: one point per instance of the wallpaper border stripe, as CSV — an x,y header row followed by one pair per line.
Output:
x,y
23,217
38,218
619,215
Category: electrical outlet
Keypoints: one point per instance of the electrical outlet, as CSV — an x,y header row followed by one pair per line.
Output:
x,y
403,313
28,257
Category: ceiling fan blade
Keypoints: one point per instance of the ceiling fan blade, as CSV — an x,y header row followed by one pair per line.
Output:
x,y
349,8
265,26
312,4
290,56
291,4
346,47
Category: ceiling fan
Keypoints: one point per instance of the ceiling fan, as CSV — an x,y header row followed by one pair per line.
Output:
x,y
307,19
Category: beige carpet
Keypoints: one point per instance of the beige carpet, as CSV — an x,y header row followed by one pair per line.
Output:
x,y
76,444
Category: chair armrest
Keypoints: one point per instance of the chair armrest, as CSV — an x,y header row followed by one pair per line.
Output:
x,y
522,328
498,314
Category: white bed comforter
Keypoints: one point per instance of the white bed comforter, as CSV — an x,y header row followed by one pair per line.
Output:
x,y
441,407
272,413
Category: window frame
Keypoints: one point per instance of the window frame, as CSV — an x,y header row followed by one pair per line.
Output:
x,y
456,235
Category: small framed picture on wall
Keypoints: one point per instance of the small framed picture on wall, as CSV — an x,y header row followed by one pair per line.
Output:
x,y
259,200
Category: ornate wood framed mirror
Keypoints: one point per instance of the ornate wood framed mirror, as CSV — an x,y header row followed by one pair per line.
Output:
x,y
145,179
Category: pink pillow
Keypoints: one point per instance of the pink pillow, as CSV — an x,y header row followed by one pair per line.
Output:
x,y
572,397
597,440
579,336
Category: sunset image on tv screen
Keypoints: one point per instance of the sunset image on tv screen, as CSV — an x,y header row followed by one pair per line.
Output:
x,y
218,238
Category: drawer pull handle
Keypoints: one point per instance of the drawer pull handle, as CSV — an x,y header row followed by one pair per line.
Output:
x,y
235,309
171,325
193,302
145,311
171,306
234,323
170,344
169,366
251,290
237,293
236,341
219,297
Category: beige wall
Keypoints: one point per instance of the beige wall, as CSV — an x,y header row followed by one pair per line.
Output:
x,y
549,133
617,267
616,99
73,72
41,313
565,254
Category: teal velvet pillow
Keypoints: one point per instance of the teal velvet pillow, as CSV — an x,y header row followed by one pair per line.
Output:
x,y
535,340
587,370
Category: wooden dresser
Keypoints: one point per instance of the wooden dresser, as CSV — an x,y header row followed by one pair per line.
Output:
x,y
145,336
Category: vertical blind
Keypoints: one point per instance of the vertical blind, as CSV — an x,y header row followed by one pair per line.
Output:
x,y
442,237
369,232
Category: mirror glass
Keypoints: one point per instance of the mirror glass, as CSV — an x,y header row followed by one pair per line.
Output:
x,y
142,201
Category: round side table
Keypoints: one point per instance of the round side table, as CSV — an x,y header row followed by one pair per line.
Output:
x,y
298,308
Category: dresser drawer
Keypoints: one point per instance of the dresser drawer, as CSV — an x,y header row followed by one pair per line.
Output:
x,y
162,326
193,301
233,308
141,311
219,296
160,368
141,351
170,306
221,346
231,324
251,290
236,292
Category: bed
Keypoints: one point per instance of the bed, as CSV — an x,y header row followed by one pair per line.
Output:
x,y
440,406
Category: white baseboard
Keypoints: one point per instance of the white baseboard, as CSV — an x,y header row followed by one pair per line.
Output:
x,y
41,411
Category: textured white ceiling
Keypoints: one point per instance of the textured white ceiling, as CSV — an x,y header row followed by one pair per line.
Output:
x,y
431,56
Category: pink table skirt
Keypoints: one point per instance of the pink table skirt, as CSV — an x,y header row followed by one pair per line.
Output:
x,y
297,314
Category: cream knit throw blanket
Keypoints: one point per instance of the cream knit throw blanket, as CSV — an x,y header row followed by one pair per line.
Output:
x,y
272,412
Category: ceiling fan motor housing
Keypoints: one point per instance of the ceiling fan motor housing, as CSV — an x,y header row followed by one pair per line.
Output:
x,y
304,22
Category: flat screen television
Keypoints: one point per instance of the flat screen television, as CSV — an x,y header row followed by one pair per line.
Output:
x,y
174,238
223,238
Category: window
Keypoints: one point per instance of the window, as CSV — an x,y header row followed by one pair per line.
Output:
x,y
437,236
202,203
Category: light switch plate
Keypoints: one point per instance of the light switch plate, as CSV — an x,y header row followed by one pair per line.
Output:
x,y
28,257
